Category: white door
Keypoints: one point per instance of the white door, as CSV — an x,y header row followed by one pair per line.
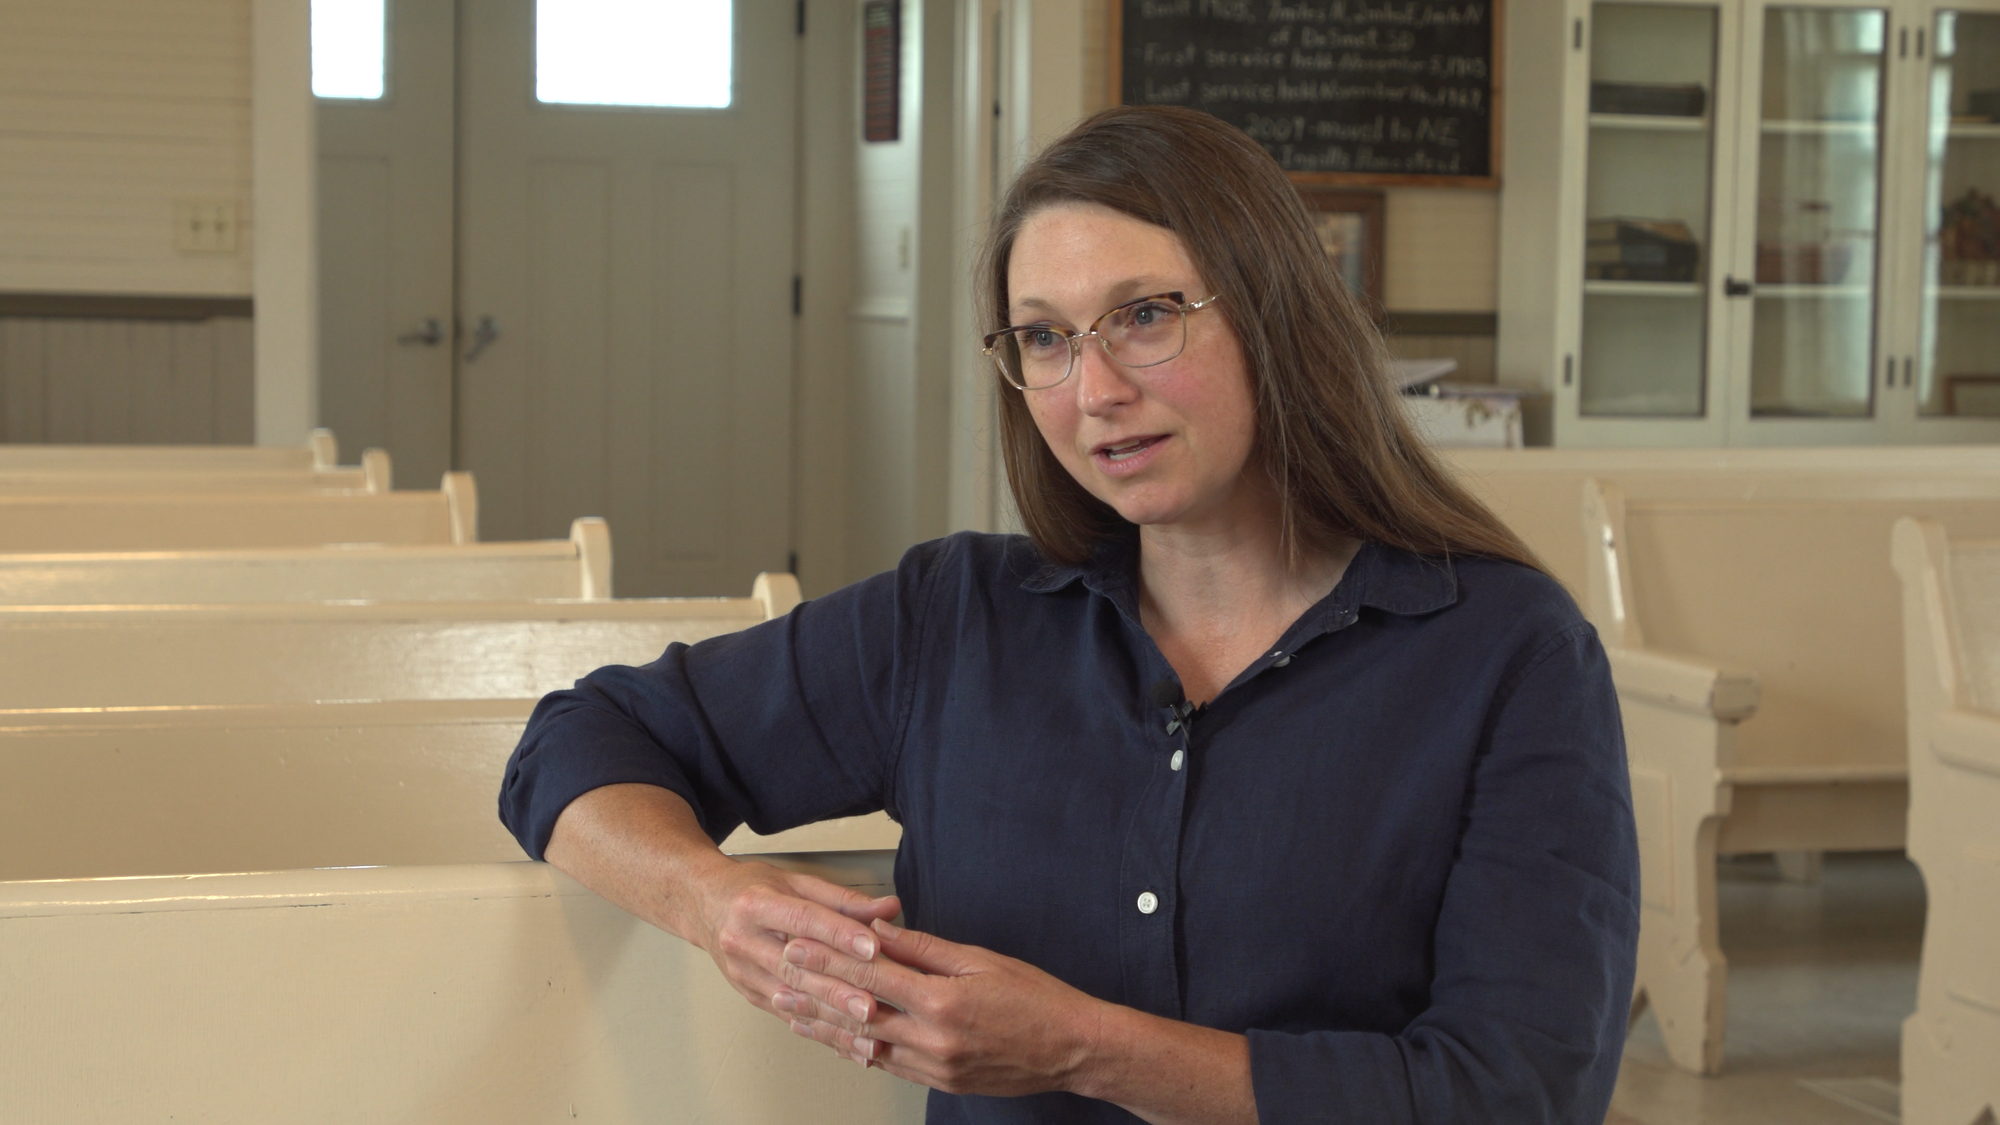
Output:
x,y
626,295
385,244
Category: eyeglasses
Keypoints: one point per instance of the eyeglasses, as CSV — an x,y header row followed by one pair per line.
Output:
x,y
1142,333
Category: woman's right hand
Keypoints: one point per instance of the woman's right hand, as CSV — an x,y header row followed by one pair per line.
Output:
x,y
641,847
749,910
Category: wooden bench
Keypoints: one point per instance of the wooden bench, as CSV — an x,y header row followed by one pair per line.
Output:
x,y
166,656
1535,490
184,790
184,521
1951,647
372,475
577,567
1756,650
491,993
320,451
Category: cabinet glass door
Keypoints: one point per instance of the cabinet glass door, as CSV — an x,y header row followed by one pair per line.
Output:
x,y
1647,208
1818,192
1958,357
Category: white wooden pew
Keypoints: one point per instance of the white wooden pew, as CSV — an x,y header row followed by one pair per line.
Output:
x,y
180,790
1535,490
1951,639
134,656
372,475
1756,649
490,994
109,521
320,451
577,567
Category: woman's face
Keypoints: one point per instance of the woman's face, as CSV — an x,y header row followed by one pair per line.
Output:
x,y
1164,445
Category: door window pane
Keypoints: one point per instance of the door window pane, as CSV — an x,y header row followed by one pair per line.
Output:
x,y
1960,356
1819,154
669,53
348,42
1645,312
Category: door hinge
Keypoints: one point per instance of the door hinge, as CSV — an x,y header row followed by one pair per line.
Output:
x,y
802,17
1569,369
1576,36
792,564
798,294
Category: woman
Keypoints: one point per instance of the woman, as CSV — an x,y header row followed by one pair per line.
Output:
x,y
1266,779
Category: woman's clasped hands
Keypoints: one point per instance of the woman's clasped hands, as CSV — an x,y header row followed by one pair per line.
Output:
x,y
953,1017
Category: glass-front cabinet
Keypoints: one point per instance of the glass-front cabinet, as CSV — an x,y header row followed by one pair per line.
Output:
x,y
1790,233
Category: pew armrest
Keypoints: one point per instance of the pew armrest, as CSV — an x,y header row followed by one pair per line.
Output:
x,y
1969,740
1684,683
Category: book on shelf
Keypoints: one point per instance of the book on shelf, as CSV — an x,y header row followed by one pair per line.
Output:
x,y
1622,249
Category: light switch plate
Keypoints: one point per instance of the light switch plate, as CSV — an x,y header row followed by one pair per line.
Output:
x,y
205,226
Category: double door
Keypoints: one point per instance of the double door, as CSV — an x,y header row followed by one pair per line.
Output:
x,y
589,306
1786,211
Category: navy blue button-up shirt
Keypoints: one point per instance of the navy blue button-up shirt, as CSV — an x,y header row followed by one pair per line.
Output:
x,y
1398,851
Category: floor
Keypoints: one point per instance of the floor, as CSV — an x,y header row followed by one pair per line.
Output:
x,y
1821,976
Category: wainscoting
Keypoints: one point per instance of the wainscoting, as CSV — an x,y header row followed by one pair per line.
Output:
x,y
147,371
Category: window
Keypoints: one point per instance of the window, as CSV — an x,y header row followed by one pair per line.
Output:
x,y
347,48
671,53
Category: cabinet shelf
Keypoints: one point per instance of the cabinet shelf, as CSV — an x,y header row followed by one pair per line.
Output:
x,y
1968,292
1642,288
1791,128
1648,123
1970,131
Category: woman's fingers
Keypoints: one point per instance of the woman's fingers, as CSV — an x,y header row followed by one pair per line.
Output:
x,y
820,969
847,900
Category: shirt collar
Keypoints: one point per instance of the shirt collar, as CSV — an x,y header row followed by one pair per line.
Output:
x,y
1387,578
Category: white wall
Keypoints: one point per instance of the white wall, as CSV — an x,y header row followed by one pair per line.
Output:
x,y
110,110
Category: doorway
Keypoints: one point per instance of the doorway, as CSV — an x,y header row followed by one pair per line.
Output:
x,y
580,294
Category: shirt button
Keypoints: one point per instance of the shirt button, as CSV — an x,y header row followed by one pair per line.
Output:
x,y
1174,763
1281,661
1148,902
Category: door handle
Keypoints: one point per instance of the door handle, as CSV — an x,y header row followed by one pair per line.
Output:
x,y
484,332
430,335
1734,288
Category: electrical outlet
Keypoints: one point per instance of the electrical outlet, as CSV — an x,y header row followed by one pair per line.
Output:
x,y
205,226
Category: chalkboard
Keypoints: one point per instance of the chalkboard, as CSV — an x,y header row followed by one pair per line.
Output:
x,y
1339,91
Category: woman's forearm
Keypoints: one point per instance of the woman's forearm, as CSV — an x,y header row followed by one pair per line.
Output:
x,y
1168,1072
641,847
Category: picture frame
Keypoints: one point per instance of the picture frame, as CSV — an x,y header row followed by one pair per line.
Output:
x,y
1350,228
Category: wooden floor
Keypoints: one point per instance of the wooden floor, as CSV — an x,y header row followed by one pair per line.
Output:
x,y
1820,980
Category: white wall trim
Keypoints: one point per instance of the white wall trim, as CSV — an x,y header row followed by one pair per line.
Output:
x,y
886,310
284,174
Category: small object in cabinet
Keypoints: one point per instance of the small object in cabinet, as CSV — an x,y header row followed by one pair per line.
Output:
x,y
1648,99
1803,263
1983,103
1972,395
1640,250
1969,240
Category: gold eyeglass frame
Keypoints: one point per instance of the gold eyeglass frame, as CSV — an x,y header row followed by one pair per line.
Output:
x,y
990,342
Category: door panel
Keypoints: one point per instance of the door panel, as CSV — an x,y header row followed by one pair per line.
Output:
x,y
638,265
385,250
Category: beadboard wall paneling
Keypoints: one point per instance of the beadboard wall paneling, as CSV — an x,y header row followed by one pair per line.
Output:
x,y
110,110
78,380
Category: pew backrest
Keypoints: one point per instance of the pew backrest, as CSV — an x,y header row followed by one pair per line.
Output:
x,y
184,790
123,656
107,521
319,451
486,993
577,567
372,475
1534,491
1799,592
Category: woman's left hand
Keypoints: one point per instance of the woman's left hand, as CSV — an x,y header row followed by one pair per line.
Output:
x,y
957,1018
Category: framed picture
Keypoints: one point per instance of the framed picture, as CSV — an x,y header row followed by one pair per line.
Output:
x,y
1350,231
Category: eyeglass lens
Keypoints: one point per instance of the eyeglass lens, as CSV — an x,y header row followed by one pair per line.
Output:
x,y
1139,335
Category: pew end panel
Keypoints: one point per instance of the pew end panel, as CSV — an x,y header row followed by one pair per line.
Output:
x,y
1951,632
491,993
323,447
777,593
592,539
376,473
461,498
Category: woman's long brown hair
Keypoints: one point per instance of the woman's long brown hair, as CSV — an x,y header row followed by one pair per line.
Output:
x,y
1330,431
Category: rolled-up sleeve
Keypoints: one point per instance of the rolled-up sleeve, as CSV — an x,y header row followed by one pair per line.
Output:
x,y
782,724
1535,941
